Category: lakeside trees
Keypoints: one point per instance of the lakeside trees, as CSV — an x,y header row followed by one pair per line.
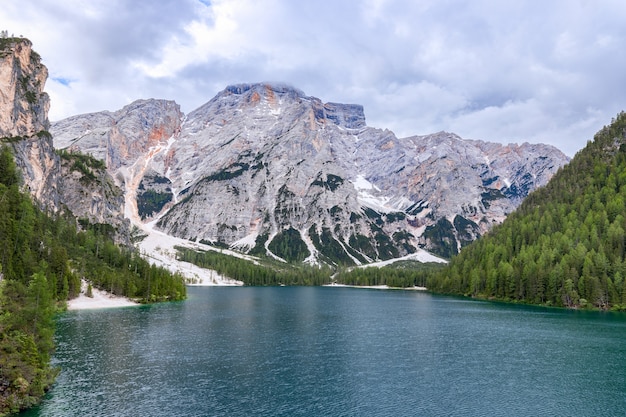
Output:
x,y
566,243
42,260
268,272
398,275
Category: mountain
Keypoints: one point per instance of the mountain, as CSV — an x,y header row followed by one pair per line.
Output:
x,y
266,169
565,245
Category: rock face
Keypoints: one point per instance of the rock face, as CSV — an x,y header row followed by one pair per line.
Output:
x,y
23,104
74,183
266,169
24,117
90,194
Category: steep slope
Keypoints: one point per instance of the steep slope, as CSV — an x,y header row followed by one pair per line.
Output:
x,y
57,185
24,117
565,245
267,169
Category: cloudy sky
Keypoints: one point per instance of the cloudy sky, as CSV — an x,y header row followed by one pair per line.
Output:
x,y
551,71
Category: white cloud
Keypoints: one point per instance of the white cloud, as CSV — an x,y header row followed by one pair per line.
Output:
x,y
498,71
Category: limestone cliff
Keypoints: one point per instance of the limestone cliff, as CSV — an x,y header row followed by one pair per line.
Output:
x,y
23,104
262,167
73,183
24,117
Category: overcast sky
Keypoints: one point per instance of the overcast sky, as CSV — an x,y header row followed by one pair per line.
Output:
x,y
551,71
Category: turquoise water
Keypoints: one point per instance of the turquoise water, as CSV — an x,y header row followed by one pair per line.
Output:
x,y
316,351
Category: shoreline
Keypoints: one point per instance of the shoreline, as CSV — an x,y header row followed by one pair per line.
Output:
x,y
376,287
100,299
103,299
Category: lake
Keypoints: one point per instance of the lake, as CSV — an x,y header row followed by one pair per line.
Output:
x,y
319,351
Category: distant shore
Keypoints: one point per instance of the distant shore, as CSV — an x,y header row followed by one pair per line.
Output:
x,y
377,287
104,299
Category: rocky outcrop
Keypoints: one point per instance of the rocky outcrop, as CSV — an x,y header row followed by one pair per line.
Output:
x,y
457,189
90,194
263,168
127,141
24,118
73,182
23,104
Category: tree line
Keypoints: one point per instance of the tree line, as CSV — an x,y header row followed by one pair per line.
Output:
x,y
565,244
270,273
396,275
42,260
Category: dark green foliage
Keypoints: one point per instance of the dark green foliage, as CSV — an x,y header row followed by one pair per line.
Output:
x,y
373,215
83,159
416,208
488,181
289,245
363,244
44,134
35,57
259,245
403,238
150,202
230,172
154,179
31,97
398,275
24,82
41,262
384,245
441,236
271,273
122,271
87,165
566,243
285,205
26,327
354,253
34,274
230,141
8,172
336,211
329,248
331,183
11,139
395,217
6,43
490,195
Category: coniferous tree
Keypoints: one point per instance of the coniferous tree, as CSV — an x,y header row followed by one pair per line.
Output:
x,y
42,260
565,245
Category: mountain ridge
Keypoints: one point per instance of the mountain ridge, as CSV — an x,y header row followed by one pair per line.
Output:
x,y
258,160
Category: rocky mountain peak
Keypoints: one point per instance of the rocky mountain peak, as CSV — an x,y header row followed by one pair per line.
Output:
x,y
23,103
263,167
269,100
349,116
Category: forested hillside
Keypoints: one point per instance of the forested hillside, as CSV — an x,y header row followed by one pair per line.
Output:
x,y
564,245
42,260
